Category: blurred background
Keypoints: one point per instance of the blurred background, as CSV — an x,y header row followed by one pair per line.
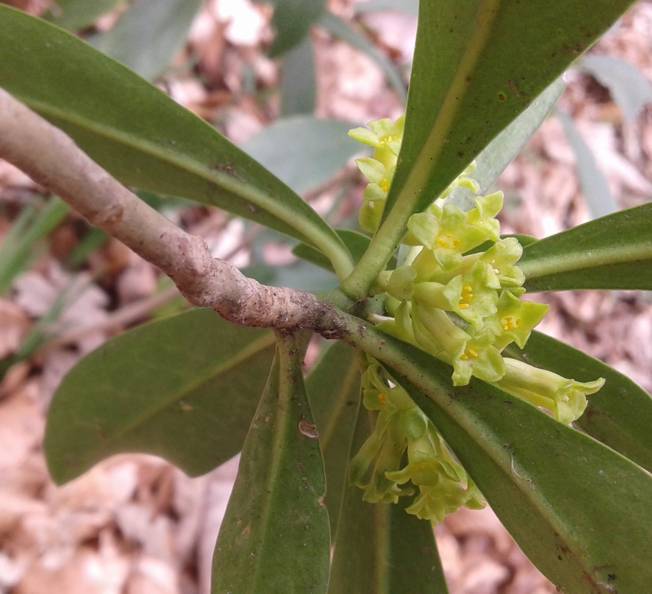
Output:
x,y
136,525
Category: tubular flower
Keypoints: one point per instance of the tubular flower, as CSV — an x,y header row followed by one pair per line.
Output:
x,y
385,137
564,398
458,293
437,482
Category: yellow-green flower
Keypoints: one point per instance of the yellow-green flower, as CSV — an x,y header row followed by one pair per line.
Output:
x,y
515,319
564,398
401,430
443,484
447,229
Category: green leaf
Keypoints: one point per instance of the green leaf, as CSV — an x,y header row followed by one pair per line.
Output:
x,y
620,414
503,149
314,150
614,252
356,242
577,508
380,549
341,29
477,65
486,72
184,388
298,80
142,136
275,536
292,20
149,35
595,187
628,86
333,388
79,14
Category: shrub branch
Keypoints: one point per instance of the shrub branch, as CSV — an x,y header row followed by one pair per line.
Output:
x,y
52,159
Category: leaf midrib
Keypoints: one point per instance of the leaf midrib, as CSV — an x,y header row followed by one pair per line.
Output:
x,y
252,349
434,144
282,430
590,258
349,380
528,492
307,229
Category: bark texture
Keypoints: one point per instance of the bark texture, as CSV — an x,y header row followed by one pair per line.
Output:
x,y
52,159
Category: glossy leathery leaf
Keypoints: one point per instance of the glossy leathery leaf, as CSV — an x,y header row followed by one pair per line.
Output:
x,y
149,35
184,388
613,252
78,14
620,414
142,136
594,184
379,548
292,20
314,150
485,73
474,72
577,508
503,149
333,388
275,535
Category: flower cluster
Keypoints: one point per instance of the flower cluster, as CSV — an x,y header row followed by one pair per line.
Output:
x,y
436,480
457,294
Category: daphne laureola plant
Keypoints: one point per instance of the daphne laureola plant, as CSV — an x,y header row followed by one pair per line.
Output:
x,y
436,392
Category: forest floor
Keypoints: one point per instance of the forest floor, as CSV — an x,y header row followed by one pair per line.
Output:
x,y
135,524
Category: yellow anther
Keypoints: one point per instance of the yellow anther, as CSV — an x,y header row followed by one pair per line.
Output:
x,y
466,297
382,398
384,185
469,353
510,323
447,242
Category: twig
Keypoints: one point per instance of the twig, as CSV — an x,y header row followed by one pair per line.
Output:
x,y
53,160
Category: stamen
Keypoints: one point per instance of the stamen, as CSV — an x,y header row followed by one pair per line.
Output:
x,y
510,323
469,353
467,297
447,242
